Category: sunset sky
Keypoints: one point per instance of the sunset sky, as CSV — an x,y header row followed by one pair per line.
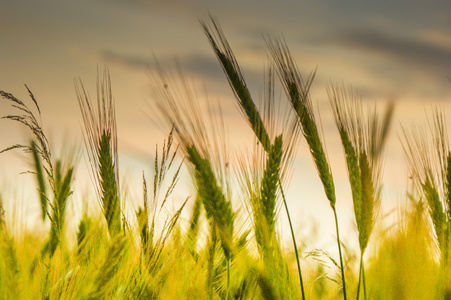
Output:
x,y
387,50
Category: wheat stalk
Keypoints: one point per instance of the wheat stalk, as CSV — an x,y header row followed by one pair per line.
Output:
x,y
298,92
263,205
101,142
267,205
429,160
216,206
363,137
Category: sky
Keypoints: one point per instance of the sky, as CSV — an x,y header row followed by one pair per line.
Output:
x,y
387,50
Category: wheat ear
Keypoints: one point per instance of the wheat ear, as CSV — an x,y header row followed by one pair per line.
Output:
x,y
247,105
363,137
429,160
298,92
216,206
101,142
236,80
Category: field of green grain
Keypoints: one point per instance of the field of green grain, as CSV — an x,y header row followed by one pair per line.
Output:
x,y
225,253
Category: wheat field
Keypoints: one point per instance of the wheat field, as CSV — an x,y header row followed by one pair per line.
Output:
x,y
225,252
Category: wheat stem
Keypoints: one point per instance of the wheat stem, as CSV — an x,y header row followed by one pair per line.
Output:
x,y
340,254
293,237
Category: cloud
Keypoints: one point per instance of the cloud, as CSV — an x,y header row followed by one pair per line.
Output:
x,y
130,61
198,65
205,66
412,52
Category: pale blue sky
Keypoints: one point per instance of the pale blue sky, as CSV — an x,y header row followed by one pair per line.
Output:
x,y
398,50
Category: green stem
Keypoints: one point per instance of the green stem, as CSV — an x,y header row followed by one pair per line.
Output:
x,y
364,281
341,256
228,279
360,276
294,240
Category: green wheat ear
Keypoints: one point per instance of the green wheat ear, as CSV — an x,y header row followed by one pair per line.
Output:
x,y
101,142
215,203
298,91
264,206
62,192
428,158
236,80
109,185
363,136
